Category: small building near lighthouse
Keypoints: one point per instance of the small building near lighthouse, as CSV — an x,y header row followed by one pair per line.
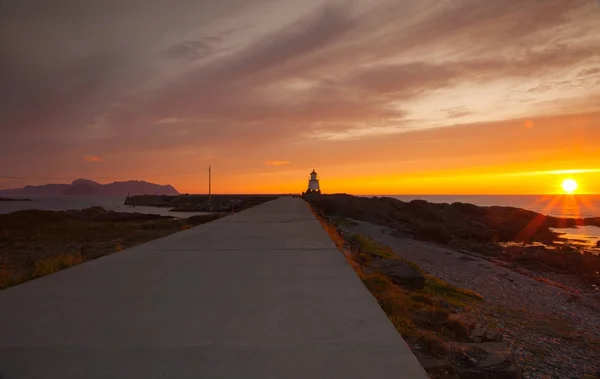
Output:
x,y
313,184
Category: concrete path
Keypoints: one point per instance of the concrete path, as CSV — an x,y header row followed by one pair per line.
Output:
x,y
260,294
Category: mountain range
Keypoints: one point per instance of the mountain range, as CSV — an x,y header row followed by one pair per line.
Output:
x,y
89,187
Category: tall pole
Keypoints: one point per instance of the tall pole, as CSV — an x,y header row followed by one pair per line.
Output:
x,y
209,202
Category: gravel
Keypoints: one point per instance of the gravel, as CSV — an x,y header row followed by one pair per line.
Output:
x,y
553,329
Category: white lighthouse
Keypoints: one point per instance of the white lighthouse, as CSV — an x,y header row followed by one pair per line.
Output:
x,y
313,183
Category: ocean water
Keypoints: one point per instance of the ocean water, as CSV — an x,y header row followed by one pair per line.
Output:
x,y
63,203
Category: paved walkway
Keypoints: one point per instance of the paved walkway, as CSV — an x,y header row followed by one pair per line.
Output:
x,y
260,294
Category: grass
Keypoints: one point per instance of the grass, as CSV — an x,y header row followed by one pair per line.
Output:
x,y
38,243
53,264
370,248
423,317
417,314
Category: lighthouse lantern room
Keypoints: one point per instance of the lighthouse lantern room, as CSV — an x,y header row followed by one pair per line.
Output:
x,y
313,183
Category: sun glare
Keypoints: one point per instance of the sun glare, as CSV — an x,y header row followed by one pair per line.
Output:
x,y
569,186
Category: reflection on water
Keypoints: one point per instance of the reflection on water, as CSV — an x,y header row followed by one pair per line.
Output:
x,y
587,236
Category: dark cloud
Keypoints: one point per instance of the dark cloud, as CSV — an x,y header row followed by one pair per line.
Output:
x,y
69,79
189,50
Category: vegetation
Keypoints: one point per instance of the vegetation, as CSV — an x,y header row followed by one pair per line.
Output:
x,y
38,243
415,313
446,326
426,318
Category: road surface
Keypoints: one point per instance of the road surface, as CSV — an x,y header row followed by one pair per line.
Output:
x,y
260,294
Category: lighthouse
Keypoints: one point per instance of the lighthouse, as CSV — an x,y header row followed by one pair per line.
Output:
x,y
313,183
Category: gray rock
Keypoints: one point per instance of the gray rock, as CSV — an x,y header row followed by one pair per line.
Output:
x,y
433,233
480,334
494,360
400,273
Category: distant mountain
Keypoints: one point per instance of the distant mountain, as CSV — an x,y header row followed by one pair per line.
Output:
x,y
88,187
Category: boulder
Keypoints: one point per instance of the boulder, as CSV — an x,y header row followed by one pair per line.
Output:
x,y
489,360
433,233
598,244
480,334
400,273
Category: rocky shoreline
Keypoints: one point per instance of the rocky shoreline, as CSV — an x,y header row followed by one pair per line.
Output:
x,y
516,236
534,318
200,203
11,199
35,243
553,329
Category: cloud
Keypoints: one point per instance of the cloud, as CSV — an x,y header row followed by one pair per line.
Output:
x,y
277,163
457,112
248,75
190,50
92,159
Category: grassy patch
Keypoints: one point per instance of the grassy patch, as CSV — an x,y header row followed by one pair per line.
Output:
x,y
369,249
423,317
456,296
417,314
53,264
369,246
38,243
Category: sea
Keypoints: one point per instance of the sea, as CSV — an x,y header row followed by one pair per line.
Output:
x,y
567,206
63,203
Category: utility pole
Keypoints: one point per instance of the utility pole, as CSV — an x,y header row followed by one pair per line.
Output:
x,y
209,202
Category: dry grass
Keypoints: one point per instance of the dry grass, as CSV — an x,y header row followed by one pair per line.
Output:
x,y
53,264
423,317
38,243
417,313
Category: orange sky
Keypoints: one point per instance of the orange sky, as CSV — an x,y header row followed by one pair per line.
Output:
x,y
390,97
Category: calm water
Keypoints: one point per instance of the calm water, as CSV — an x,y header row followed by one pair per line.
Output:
x,y
63,203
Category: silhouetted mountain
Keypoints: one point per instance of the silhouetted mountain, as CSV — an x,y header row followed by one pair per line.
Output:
x,y
88,187
83,187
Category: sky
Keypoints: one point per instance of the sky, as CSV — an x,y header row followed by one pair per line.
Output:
x,y
380,97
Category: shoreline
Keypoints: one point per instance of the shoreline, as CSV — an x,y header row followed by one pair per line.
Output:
x,y
554,205
532,323
515,236
36,243
13,199
200,203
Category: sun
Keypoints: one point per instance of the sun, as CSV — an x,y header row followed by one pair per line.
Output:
x,y
569,186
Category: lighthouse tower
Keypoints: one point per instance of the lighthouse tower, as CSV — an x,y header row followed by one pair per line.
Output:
x,y
313,183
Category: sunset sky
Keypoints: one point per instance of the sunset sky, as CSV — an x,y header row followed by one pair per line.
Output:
x,y
380,97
